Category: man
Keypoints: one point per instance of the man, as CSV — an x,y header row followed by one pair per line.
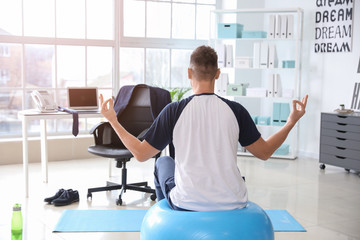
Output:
x,y
205,130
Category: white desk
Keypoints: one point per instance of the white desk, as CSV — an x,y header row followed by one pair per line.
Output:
x,y
33,114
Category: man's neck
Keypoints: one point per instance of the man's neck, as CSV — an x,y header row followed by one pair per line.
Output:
x,y
202,86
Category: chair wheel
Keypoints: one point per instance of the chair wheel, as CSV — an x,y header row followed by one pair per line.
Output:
x,y
89,195
119,201
153,197
346,169
322,166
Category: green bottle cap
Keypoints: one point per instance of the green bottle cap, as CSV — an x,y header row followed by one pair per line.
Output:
x,y
17,207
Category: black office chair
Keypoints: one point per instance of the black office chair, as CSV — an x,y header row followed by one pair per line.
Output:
x,y
136,116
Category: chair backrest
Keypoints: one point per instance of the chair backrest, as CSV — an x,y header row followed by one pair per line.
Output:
x,y
137,115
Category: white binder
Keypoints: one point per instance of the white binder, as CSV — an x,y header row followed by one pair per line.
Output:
x,y
256,55
290,26
277,85
229,56
270,87
220,50
224,83
272,56
283,26
272,22
278,26
264,55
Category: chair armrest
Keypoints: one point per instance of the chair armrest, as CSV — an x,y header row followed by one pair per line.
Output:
x,y
102,133
92,130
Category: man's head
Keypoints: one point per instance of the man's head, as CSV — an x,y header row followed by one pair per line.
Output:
x,y
203,64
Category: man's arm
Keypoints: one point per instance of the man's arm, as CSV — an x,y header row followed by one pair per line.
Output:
x,y
263,149
141,150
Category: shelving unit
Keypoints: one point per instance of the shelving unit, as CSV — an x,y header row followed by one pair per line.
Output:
x,y
257,77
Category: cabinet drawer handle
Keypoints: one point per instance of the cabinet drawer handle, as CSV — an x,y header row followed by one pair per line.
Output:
x,y
340,157
341,116
342,139
341,131
341,124
341,148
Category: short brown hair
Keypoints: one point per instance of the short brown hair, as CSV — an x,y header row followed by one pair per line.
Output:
x,y
203,62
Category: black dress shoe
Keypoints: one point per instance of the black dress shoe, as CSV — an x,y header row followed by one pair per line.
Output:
x,y
66,198
58,194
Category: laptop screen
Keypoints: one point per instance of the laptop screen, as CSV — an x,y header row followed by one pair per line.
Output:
x,y
83,98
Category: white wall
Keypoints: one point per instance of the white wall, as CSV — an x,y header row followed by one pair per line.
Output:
x,y
328,78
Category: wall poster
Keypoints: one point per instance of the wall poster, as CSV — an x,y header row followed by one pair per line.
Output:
x,y
333,25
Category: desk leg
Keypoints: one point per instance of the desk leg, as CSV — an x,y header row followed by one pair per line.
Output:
x,y
44,151
25,157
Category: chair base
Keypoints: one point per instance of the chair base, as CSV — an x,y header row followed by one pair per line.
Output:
x,y
140,187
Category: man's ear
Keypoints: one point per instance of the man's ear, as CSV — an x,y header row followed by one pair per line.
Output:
x,y
217,73
189,73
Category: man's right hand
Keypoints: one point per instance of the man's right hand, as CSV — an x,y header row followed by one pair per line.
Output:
x,y
107,109
298,110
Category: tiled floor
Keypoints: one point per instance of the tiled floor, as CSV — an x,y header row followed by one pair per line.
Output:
x,y
326,203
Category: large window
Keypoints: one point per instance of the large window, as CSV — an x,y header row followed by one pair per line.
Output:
x,y
54,44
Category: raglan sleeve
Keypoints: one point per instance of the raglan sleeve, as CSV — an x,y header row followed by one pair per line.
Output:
x,y
159,134
248,131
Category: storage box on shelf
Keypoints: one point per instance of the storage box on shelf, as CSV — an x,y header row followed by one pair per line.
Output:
x,y
259,52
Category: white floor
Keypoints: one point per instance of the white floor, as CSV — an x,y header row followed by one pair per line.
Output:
x,y
326,203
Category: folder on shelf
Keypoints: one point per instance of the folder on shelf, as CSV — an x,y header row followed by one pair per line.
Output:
x,y
264,55
290,26
284,113
220,50
229,56
224,83
272,22
278,26
277,85
283,26
270,89
276,114
256,55
272,56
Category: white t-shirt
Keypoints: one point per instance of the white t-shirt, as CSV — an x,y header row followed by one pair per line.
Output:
x,y
205,130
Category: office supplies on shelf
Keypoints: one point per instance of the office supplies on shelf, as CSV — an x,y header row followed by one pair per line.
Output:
x,y
253,34
237,89
256,92
283,27
220,50
278,26
242,62
264,55
272,22
272,56
256,55
263,120
276,114
288,64
221,84
229,30
229,56
290,26
282,150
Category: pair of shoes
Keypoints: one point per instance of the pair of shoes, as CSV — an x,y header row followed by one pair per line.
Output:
x,y
63,197
57,195
66,198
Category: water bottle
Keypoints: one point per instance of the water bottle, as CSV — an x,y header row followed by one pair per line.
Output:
x,y
16,223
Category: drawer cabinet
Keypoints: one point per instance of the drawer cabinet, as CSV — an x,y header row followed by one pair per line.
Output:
x,y
340,140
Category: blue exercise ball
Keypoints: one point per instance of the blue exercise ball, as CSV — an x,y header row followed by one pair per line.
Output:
x,y
163,223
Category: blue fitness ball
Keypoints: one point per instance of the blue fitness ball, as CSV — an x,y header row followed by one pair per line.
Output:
x,y
163,223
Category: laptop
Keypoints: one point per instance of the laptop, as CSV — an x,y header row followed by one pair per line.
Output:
x,y
83,98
